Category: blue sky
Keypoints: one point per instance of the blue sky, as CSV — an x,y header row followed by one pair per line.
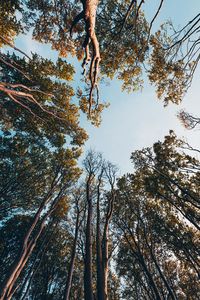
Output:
x,y
138,119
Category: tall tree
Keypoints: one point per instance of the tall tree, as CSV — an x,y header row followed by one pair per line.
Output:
x,y
158,223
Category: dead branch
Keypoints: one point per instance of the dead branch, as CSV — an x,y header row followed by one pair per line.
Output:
x,y
153,19
89,16
188,120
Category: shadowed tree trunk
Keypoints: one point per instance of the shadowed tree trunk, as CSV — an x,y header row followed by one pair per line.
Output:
x,y
73,254
143,264
170,290
29,243
110,171
100,275
88,289
105,253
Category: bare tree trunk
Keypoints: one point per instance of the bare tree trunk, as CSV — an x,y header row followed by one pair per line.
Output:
x,y
88,290
149,275
105,241
105,259
100,275
110,171
105,264
142,262
27,247
72,261
29,250
20,259
11,290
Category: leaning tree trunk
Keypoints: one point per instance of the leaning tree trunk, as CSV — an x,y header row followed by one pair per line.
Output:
x,y
34,269
27,248
31,247
22,257
149,276
162,276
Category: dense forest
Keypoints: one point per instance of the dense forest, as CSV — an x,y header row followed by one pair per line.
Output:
x,y
72,230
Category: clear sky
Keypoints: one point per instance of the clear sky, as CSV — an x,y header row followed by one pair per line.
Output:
x,y
137,120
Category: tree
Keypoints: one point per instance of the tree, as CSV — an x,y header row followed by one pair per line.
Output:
x,y
158,225
61,178
92,163
122,39
45,155
176,56
151,235
97,242
94,240
79,210
173,175
188,120
118,28
10,26
45,274
52,109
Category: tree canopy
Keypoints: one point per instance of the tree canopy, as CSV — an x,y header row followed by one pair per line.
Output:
x,y
85,231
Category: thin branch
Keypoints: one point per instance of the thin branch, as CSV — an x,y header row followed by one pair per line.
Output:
x,y
14,67
12,46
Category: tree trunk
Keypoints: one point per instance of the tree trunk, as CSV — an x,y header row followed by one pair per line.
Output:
x,y
72,261
149,276
88,290
171,292
100,274
27,247
31,245
105,240
19,261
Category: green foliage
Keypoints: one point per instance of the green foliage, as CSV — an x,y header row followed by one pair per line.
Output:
x,y
10,25
158,224
55,117
51,21
169,77
147,228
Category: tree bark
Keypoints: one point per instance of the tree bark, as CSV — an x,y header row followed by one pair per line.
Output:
x,y
105,240
72,261
89,16
142,262
100,273
88,289
21,258
27,246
